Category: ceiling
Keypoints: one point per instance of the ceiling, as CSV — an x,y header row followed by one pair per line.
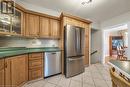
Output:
x,y
97,11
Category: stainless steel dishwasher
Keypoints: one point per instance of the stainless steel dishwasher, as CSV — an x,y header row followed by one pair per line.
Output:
x,y
52,63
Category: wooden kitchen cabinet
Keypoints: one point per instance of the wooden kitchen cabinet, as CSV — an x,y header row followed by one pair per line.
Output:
x,y
12,25
16,70
17,22
49,28
55,28
87,45
32,25
2,73
36,66
44,27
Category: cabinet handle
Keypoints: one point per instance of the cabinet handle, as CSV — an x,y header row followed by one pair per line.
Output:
x,y
5,64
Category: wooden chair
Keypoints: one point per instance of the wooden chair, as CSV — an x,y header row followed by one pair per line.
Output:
x,y
117,80
121,53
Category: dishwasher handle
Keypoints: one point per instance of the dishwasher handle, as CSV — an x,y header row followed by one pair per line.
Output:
x,y
53,53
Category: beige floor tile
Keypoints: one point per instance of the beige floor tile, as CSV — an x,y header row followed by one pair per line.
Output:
x,y
109,83
54,79
97,76
40,83
88,80
87,69
87,74
48,85
88,85
78,78
74,83
107,77
64,82
100,83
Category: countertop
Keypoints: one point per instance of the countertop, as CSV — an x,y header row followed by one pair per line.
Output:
x,y
13,51
121,66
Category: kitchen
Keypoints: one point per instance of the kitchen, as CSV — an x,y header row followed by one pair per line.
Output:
x,y
38,49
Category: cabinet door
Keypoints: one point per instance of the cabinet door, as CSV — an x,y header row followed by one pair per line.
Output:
x,y
55,28
16,72
7,72
19,70
32,25
44,27
2,73
17,22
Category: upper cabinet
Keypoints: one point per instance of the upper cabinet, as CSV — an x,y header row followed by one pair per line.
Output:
x,y
11,24
44,27
32,25
55,28
17,22
5,23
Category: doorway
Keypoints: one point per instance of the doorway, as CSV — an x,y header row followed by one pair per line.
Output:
x,y
114,38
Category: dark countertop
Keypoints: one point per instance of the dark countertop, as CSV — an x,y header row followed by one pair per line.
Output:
x,y
121,66
13,51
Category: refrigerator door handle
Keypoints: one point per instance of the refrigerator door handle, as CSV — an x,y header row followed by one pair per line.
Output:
x,y
75,59
78,41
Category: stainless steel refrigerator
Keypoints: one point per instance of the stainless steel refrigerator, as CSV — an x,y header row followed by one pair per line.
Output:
x,y
74,50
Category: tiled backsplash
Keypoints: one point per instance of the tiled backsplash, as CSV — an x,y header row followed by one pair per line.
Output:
x,y
27,42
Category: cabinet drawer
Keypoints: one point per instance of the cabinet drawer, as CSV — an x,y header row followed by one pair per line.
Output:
x,y
35,73
35,56
34,63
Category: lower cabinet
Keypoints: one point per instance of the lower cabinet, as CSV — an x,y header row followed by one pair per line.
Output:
x,y
35,73
35,66
2,79
16,70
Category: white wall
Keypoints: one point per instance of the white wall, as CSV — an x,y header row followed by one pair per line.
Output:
x,y
96,45
128,24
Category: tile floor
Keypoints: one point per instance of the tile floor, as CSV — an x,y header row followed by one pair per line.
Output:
x,y
96,75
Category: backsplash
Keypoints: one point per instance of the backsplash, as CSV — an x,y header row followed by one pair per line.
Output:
x,y
26,42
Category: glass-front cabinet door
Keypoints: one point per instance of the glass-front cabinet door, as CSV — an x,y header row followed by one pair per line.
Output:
x,y
11,24
17,22
5,23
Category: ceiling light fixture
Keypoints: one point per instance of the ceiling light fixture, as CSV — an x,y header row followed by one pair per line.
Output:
x,y
86,2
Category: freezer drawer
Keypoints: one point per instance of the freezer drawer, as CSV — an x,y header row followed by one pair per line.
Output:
x,y
52,63
74,66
